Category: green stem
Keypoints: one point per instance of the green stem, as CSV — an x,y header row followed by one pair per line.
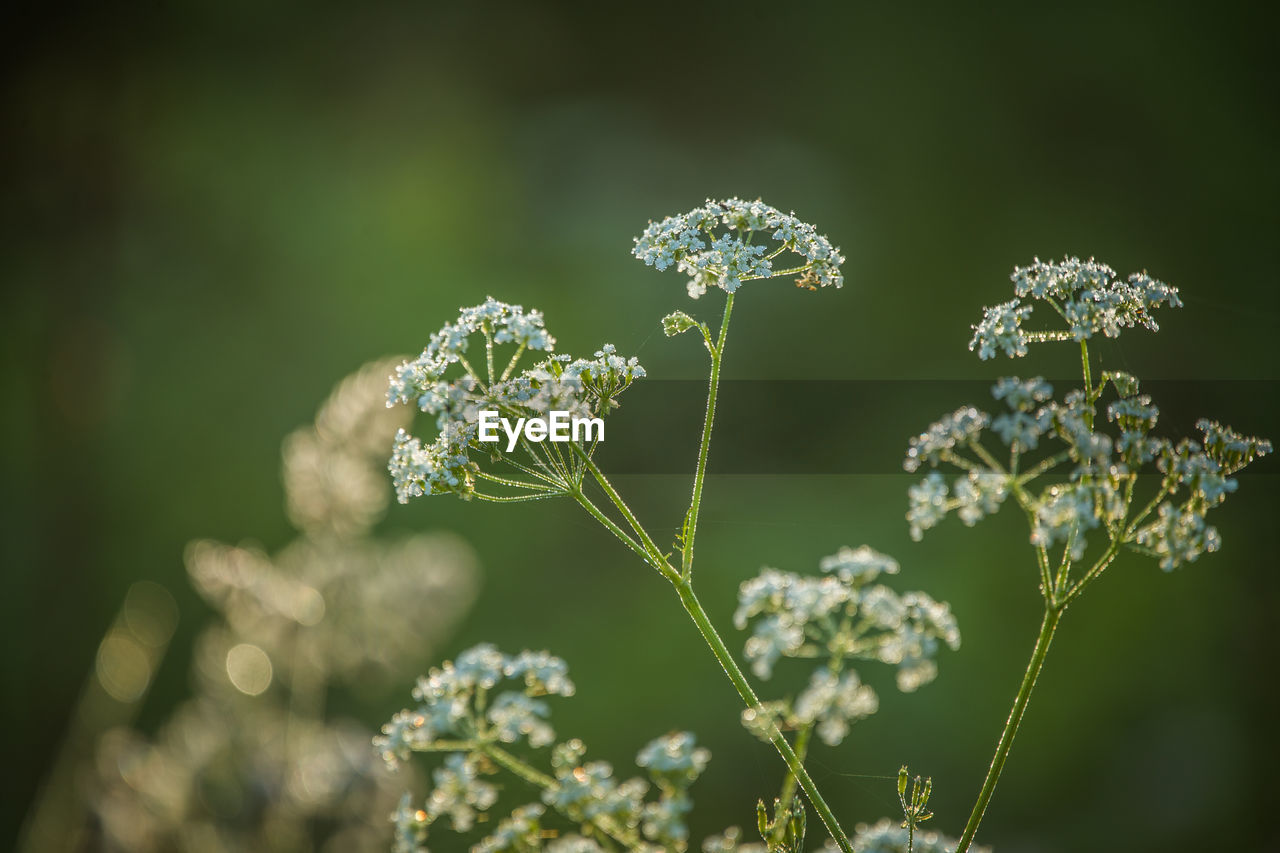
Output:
x,y
1050,624
690,531
536,777
654,556
1064,568
1042,555
613,528
446,746
649,552
1088,383
488,351
514,499
730,667
792,271
1090,576
529,774
520,484
1043,466
1166,488
471,371
788,792
511,365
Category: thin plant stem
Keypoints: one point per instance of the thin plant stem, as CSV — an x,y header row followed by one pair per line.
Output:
x,y
699,477
792,271
514,499
466,365
1088,383
511,365
532,775
1042,555
1047,627
488,351
1042,467
1166,488
788,792
1097,569
533,472
740,683
614,528
656,557
682,581
520,484
1064,568
537,778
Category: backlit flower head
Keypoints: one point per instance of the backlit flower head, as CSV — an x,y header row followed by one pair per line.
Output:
x,y
842,616
715,246
472,365
1086,452
1087,297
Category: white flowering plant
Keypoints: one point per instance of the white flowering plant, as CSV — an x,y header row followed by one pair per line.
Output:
x,y
488,713
1074,466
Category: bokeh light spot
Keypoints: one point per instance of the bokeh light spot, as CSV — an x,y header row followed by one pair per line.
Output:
x,y
249,669
124,668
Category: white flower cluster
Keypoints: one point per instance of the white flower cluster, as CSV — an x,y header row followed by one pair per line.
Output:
x,y
960,427
1098,489
1021,426
466,712
1087,295
690,243
1179,533
441,467
840,616
416,381
1001,330
520,832
458,701
832,702
602,378
459,793
588,792
578,387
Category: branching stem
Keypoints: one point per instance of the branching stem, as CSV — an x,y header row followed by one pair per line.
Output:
x,y
690,529
740,683
1047,627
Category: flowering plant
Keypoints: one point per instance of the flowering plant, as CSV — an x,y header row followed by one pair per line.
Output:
x,y
1074,473
476,709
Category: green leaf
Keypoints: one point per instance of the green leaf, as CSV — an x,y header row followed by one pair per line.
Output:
x,y
1126,384
677,322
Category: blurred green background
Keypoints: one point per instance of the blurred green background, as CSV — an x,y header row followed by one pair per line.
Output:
x,y
215,211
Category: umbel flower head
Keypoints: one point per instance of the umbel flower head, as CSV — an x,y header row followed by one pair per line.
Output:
x,y
472,708
716,246
455,381
1072,466
842,616
1096,470
1086,295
